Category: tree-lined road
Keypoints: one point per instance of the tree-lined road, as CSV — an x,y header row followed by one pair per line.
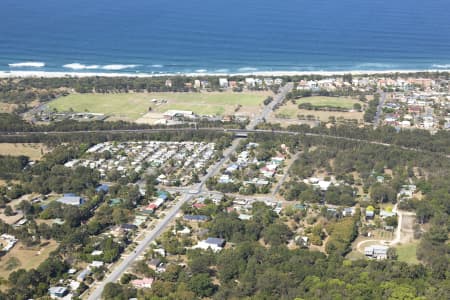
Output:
x,y
170,215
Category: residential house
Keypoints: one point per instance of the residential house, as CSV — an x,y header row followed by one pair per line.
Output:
x,y
215,244
10,241
278,81
96,252
102,188
223,83
348,212
225,178
71,199
232,84
160,251
115,202
370,214
128,227
142,283
57,291
96,264
154,263
245,217
195,218
250,82
184,231
376,251
268,81
83,274
386,213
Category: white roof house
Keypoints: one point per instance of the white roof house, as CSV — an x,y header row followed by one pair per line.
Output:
x,y
223,82
96,264
57,291
71,200
215,244
376,251
250,81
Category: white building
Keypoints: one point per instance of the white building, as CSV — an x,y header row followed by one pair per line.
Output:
x,y
223,83
215,244
378,252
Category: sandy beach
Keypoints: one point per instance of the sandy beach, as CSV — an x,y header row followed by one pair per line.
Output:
x,y
28,74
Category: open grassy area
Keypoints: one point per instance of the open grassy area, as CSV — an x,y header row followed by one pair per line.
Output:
x,y
320,101
133,106
21,257
355,255
407,253
33,151
291,111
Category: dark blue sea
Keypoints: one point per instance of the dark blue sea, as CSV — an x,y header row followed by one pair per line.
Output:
x,y
162,36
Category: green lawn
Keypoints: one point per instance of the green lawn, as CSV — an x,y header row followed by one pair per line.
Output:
x,y
355,255
133,106
407,253
285,112
320,101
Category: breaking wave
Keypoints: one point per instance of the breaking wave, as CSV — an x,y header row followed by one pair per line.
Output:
x,y
78,66
27,64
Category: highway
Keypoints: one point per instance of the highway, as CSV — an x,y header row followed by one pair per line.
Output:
x,y
225,130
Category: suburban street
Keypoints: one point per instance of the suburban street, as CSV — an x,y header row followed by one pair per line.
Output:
x,y
277,99
140,248
377,118
285,175
117,272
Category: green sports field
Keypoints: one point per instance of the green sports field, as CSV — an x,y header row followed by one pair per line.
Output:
x,y
133,106
320,101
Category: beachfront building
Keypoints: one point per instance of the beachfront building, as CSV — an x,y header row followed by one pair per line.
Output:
x,y
223,83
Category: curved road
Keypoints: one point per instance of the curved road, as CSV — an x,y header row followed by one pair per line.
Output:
x,y
398,231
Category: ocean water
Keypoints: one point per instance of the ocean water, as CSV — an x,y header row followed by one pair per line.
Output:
x,y
210,36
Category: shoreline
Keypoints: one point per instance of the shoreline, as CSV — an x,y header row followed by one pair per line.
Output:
x,y
45,74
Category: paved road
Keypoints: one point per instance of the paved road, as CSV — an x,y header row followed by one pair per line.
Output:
x,y
128,260
285,175
269,108
377,118
235,131
159,228
195,190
